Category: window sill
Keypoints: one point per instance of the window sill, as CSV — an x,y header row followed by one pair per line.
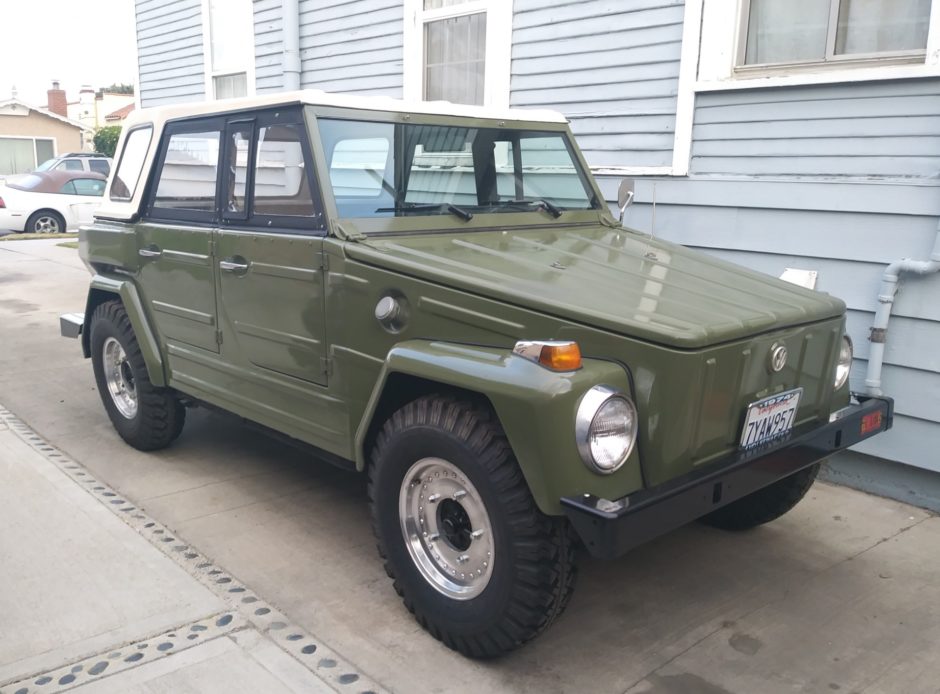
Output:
x,y
831,73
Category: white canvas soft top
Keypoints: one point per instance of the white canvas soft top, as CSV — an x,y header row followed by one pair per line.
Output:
x,y
159,115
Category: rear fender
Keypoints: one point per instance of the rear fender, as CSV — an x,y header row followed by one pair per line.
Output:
x,y
536,408
109,287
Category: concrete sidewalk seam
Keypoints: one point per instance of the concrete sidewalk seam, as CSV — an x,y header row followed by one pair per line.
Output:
x,y
128,655
311,652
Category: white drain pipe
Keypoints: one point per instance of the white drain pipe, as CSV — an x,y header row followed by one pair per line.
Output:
x,y
889,287
290,31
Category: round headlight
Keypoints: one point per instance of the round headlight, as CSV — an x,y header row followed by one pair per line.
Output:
x,y
605,428
845,362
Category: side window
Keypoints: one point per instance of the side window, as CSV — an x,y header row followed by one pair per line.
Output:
x,y
70,165
99,166
280,180
131,163
88,186
236,193
68,188
188,174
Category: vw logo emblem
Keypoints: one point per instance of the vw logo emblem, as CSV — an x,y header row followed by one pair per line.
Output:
x,y
778,357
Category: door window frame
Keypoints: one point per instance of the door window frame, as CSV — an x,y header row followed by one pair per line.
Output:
x,y
314,225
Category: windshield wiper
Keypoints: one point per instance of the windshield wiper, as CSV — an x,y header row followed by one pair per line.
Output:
x,y
541,203
465,215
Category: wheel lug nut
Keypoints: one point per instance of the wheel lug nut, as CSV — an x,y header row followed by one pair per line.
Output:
x,y
433,537
434,498
460,495
463,558
476,534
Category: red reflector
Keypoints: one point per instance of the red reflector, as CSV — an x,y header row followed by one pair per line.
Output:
x,y
871,422
2,204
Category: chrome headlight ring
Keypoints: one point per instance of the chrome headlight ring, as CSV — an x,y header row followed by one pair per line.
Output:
x,y
844,365
605,429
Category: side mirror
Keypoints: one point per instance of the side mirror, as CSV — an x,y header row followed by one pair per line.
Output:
x,y
625,195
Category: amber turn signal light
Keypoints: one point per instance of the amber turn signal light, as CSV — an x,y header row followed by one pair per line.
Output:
x,y
554,355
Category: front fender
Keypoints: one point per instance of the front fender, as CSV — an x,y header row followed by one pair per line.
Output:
x,y
107,287
535,406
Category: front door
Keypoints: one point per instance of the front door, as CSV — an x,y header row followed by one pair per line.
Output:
x,y
177,272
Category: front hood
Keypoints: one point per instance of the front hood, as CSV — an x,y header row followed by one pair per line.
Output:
x,y
614,279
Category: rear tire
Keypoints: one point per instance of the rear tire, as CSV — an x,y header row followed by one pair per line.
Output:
x,y
145,416
765,504
45,222
455,450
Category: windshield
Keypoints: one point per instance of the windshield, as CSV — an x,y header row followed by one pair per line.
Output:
x,y
388,169
46,165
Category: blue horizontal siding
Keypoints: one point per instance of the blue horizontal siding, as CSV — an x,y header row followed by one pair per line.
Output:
x,y
887,130
169,48
352,47
612,68
269,49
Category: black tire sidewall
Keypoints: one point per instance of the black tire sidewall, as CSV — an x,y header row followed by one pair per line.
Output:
x,y
31,222
102,328
462,617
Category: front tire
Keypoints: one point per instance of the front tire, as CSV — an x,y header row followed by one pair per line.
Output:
x,y
145,416
475,561
45,222
765,504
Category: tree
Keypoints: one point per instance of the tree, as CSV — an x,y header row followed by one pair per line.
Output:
x,y
106,139
119,88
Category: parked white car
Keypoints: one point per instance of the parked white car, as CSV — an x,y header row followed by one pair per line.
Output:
x,y
50,201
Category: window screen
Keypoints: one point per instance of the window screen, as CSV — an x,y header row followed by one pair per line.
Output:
x,y
131,163
189,173
455,57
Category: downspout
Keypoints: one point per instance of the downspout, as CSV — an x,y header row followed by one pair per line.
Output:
x,y
290,29
889,288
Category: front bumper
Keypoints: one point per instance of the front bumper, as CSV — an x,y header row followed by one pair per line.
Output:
x,y
611,528
71,324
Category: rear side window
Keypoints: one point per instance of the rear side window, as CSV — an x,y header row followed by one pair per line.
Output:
x,y
88,186
99,166
69,165
189,172
131,163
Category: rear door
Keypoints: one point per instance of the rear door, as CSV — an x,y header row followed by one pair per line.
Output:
x,y
175,235
270,275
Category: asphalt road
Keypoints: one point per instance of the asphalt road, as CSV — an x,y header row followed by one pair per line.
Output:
x,y
840,595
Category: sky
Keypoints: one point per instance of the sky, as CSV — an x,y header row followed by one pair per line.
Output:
x,y
76,42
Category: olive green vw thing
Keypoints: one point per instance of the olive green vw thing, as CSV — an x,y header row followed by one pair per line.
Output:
x,y
438,297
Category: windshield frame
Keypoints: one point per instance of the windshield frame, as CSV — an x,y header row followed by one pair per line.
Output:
x,y
444,221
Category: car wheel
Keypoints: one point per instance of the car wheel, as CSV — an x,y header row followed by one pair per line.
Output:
x,y
45,222
145,416
765,504
475,561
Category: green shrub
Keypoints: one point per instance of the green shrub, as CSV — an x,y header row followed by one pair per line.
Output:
x,y
106,139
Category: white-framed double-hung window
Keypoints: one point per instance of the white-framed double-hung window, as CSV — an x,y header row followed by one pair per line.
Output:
x,y
832,31
458,51
228,46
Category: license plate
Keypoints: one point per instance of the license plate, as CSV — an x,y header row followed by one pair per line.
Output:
x,y
770,418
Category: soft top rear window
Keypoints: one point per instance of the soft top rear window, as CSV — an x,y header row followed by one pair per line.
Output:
x,y
132,162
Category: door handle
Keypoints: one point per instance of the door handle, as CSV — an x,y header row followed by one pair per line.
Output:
x,y
231,265
150,252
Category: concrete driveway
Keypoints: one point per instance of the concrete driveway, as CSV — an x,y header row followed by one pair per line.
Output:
x,y
840,595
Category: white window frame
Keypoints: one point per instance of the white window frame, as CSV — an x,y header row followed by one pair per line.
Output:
x,y
36,162
248,66
724,31
498,58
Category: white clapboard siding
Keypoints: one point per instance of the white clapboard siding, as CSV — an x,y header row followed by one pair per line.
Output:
x,y
170,51
611,67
